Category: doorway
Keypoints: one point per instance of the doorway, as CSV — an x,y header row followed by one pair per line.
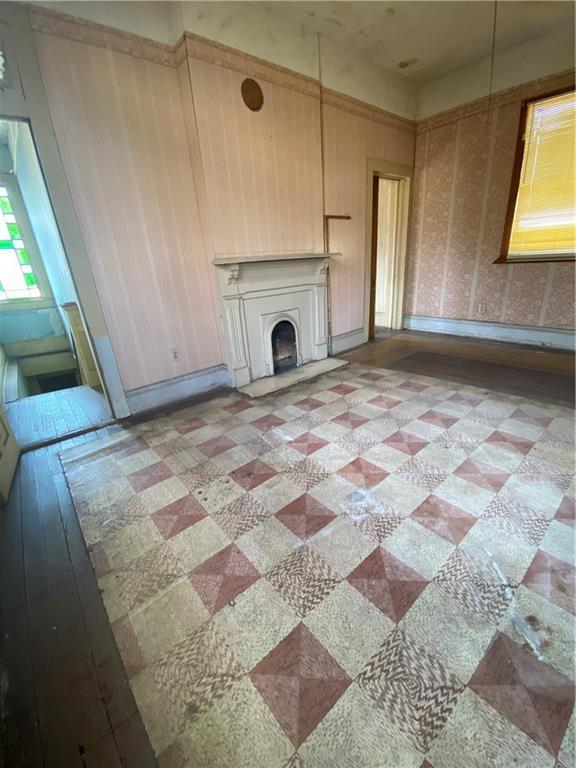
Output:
x,y
50,385
387,230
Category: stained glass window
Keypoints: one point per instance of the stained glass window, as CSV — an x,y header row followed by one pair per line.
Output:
x,y
17,278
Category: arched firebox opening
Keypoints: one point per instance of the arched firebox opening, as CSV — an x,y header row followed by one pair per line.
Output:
x,y
284,351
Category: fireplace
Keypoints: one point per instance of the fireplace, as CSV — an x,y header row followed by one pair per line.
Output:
x,y
274,312
284,350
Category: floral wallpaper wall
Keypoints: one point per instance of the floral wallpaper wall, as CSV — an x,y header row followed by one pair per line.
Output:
x,y
463,167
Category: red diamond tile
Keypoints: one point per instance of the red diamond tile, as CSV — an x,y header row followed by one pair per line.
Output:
x,y
223,577
448,521
177,516
406,442
127,642
529,693
535,417
350,420
438,418
384,401
308,404
510,442
482,474
370,376
216,445
552,578
466,399
238,406
149,476
268,422
189,426
342,389
300,682
305,516
566,512
363,473
413,386
391,585
252,474
308,443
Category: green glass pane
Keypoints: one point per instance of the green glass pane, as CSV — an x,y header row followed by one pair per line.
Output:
x,y
30,278
5,205
23,257
14,231
6,244
1,288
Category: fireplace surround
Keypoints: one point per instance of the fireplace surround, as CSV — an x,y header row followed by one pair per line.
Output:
x,y
260,297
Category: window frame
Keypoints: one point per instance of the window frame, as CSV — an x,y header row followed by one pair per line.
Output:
x,y
504,258
46,298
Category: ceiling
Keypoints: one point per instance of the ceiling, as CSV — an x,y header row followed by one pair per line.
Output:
x,y
421,41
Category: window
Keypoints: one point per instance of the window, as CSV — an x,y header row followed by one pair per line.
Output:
x,y
541,221
17,278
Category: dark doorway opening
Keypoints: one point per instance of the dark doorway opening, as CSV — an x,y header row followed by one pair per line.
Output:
x,y
284,352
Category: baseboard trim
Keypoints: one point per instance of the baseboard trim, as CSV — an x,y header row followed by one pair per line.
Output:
x,y
553,338
172,390
348,340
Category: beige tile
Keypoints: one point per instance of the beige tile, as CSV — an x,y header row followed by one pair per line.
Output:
x,y
455,636
132,541
217,494
167,619
554,629
162,494
276,493
238,730
349,626
138,461
486,542
559,541
268,543
256,622
476,736
468,496
198,542
333,493
342,545
418,547
158,717
356,734
385,456
399,494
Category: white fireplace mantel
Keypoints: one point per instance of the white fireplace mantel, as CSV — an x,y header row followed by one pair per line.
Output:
x,y
257,292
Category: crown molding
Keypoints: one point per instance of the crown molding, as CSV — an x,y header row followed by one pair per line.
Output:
x,y
529,90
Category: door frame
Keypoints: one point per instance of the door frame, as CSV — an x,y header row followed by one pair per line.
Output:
x,y
395,289
25,100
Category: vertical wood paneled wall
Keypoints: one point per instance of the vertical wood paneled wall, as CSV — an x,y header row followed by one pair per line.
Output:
x,y
463,170
169,169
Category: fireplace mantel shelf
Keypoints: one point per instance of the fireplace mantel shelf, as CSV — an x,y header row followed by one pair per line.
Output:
x,y
222,261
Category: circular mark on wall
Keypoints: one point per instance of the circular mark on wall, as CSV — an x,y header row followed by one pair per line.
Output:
x,y
252,94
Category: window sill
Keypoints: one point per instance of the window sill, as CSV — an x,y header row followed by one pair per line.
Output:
x,y
505,259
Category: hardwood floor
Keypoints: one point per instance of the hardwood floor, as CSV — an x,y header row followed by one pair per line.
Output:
x,y
66,700
511,368
38,419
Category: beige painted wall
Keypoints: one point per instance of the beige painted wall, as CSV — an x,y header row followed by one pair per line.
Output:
x,y
462,179
350,139
169,169
120,128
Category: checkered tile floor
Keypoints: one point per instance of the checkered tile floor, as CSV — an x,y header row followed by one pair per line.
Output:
x,y
369,570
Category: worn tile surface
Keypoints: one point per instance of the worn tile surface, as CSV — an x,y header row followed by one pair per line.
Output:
x,y
367,569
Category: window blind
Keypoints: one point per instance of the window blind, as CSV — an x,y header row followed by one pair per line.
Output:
x,y
544,224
